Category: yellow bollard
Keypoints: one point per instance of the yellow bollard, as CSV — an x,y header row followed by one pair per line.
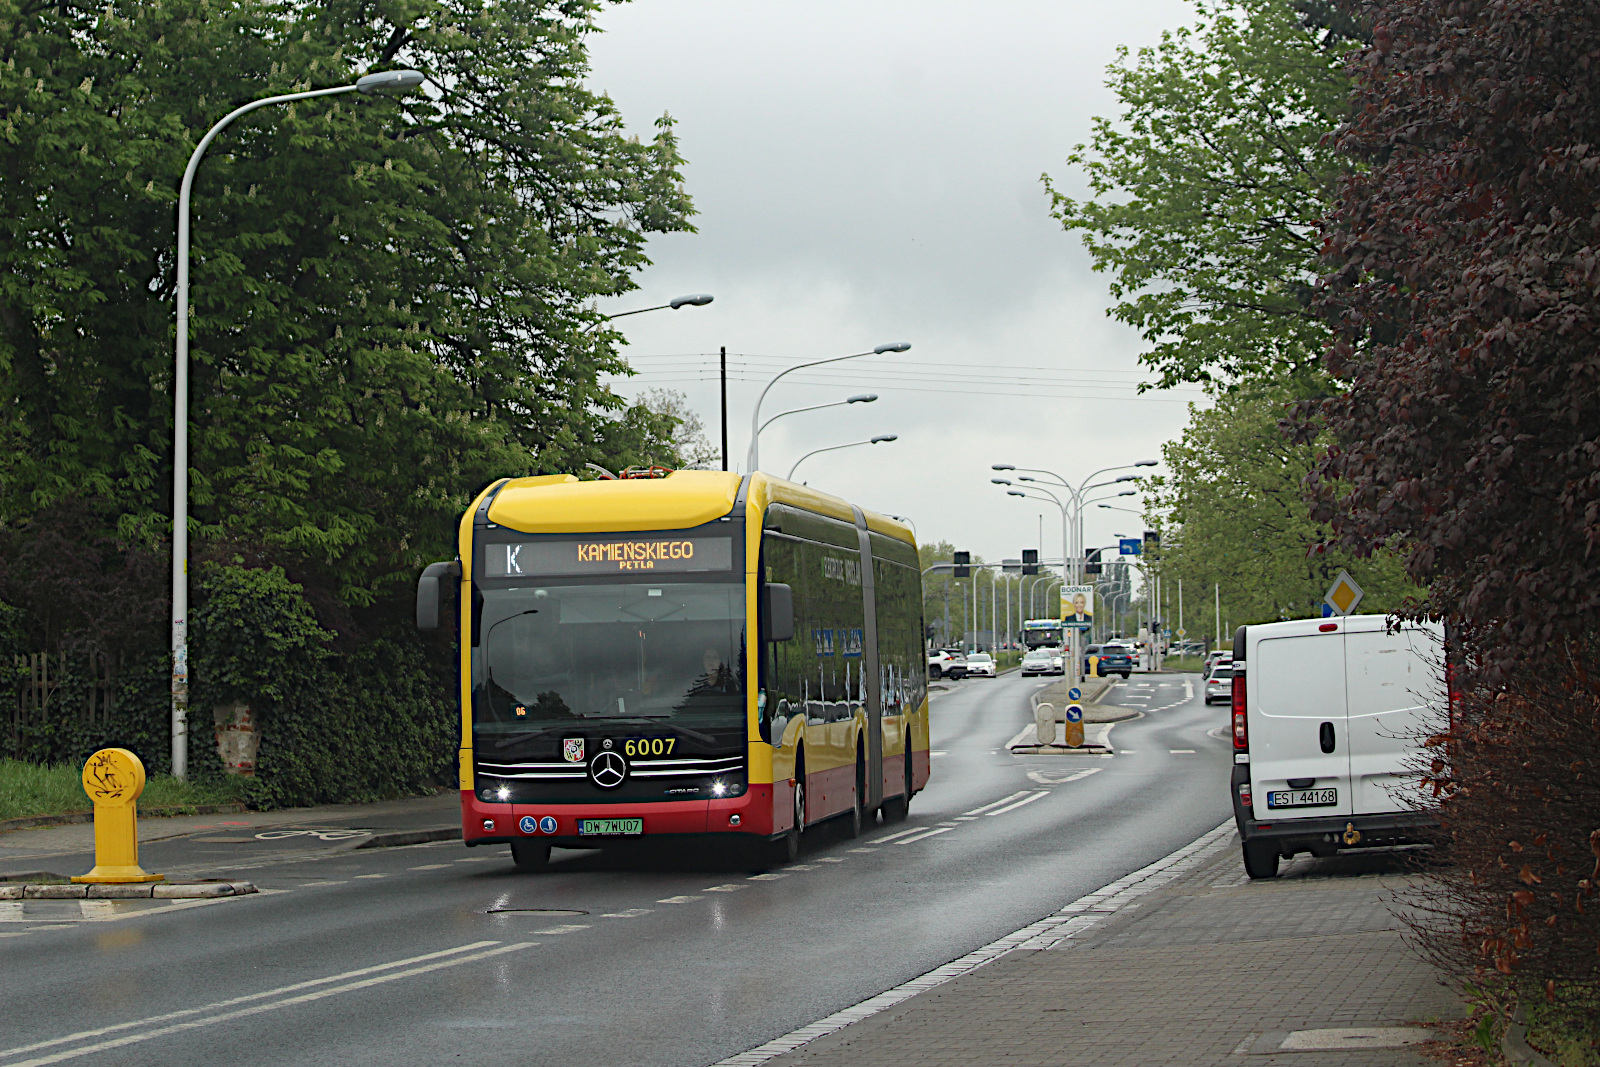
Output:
x,y
114,778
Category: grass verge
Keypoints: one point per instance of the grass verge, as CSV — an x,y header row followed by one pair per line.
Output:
x,y
31,789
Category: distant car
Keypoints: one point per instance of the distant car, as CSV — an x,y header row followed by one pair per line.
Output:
x,y
1219,687
980,664
947,663
1214,657
1115,658
1041,661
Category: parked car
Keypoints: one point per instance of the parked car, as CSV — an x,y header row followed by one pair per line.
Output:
x,y
1327,718
947,663
980,664
1219,685
1115,658
1042,661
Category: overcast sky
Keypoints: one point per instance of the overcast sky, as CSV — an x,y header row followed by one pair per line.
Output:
x,y
868,172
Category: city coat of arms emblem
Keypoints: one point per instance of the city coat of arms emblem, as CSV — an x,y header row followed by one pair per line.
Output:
x,y
572,749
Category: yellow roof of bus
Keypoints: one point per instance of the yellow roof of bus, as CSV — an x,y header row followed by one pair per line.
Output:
x,y
560,503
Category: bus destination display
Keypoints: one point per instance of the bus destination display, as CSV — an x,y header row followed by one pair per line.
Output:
x,y
608,555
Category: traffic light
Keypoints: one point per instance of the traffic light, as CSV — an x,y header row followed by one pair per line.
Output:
x,y
1092,563
963,562
1152,541
1030,561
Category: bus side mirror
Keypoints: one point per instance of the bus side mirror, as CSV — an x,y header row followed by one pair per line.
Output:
x,y
777,611
428,592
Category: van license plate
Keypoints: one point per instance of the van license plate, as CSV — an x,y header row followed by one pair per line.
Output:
x,y
595,827
1303,798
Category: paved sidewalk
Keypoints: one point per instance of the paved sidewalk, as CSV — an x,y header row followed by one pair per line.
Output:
x,y
1210,969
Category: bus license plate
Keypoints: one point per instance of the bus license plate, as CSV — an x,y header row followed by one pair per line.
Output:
x,y
595,827
1303,798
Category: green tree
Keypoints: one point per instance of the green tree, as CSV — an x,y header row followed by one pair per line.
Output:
x,y
392,298
1233,512
1207,187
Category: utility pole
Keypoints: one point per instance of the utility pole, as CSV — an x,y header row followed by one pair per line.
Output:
x,y
724,407
1219,614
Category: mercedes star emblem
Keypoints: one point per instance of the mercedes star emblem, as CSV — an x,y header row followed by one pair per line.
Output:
x,y
608,769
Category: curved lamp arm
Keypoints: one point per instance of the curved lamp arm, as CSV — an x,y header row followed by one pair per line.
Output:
x,y
834,448
754,457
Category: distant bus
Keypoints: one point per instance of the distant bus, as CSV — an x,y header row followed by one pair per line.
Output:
x,y
689,654
1041,633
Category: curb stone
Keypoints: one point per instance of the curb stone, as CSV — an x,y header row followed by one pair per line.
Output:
x,y
128,891
411,837
74,818
1514,1044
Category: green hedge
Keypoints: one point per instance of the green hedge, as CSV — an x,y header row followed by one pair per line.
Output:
x,y
338,724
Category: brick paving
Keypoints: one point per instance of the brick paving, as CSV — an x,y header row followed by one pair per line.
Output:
x,y
1198,973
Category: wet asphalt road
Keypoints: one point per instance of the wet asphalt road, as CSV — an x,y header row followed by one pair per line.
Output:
x,y
385,956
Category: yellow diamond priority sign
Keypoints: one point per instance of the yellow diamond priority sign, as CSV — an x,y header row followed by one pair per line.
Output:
x,y
1344,594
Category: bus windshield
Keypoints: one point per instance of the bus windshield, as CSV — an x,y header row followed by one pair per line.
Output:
x,y
662,652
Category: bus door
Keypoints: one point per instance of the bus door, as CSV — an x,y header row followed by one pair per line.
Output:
x,y
869,670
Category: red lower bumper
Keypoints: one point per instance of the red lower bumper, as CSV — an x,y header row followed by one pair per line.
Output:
x,y
483,820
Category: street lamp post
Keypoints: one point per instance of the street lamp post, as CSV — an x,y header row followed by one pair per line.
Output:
x,y
754,458
692,300
385,81
882,438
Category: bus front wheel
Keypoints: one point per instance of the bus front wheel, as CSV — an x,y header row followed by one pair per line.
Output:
x,y
530,855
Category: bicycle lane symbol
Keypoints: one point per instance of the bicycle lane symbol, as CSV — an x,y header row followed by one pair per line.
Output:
x,y
321,835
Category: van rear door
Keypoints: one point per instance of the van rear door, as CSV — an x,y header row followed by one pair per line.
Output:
x,y
1296,706
1395,697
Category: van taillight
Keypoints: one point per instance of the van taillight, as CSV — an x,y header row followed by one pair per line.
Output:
x,y
1241,735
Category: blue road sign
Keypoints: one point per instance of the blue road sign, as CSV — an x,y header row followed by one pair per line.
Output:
x,y
1130,546
1074,693
1074,713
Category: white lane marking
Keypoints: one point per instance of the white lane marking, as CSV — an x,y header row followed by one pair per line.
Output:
x,y
997,803
1127,752
1040,795
890,837
801,867
938,754
97,909
428,867
167,1017
863,850
729,888
770,876
966,818
475,859
565,928
1048,777
308,885
924,836
829,859
631,913
1044,934
372,876
681,899
1188,689
1180,751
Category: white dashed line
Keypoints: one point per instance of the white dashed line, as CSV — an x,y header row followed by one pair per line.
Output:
x,y
631,913
682,899
997,803
924,836
890,837
770,876
1039,795
730,888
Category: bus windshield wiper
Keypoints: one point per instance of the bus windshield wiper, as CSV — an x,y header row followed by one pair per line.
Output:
x,y
527,735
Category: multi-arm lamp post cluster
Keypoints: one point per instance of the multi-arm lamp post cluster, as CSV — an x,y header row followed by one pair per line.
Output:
x,y
1071,520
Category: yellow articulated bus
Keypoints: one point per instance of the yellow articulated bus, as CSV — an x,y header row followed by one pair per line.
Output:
x,y
696,653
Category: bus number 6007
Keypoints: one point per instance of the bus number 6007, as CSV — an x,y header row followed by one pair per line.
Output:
x,y
649,746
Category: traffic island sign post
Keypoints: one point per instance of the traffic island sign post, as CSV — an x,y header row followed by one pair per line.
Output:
x,y
114,779
1074,725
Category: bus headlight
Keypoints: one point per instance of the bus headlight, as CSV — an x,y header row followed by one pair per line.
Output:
x,y
719,788
504,793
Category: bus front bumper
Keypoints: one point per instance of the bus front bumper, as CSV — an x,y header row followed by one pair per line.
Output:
x,y
485,823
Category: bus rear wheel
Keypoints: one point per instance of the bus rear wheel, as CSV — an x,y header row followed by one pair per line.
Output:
x,y
530,855
858,809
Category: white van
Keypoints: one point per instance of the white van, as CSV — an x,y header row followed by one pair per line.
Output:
x,y
1327,716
